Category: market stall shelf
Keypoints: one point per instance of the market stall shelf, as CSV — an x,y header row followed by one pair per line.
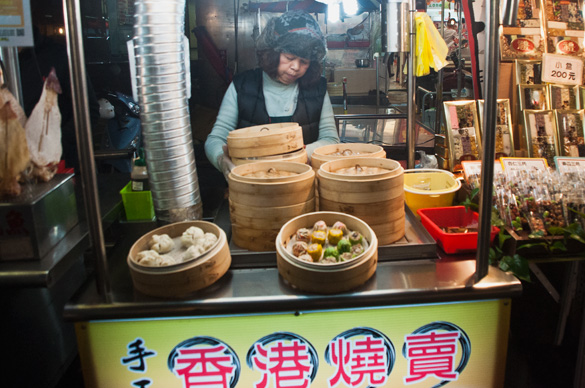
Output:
x,y
416,244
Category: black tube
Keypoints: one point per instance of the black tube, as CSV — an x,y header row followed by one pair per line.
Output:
x,y
488,140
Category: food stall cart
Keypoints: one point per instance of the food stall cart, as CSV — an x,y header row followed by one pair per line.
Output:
x,y
417,321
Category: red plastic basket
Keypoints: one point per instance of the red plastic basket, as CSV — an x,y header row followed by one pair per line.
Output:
x,y
437,218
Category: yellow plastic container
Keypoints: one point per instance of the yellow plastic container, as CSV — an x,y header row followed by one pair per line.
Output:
x,y
137,204
427,187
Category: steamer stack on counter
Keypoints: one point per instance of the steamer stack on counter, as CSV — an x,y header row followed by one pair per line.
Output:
x,y
265,195
345,151
260,206
269,142
342,151
377,198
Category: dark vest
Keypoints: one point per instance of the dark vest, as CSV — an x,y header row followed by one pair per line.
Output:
x,y
252,108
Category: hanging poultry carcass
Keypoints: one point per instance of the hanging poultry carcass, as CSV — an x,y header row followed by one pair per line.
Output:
x,y
43,131
14,152
7,97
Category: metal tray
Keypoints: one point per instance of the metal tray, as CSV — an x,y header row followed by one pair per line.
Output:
x,y
416,244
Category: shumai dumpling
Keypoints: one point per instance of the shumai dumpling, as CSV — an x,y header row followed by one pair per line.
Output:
x,y
161,243
191,236
150,258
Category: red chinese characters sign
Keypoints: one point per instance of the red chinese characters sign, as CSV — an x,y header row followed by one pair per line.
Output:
x,y
402,347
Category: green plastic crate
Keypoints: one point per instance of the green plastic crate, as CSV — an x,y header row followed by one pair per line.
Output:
x,y
137,204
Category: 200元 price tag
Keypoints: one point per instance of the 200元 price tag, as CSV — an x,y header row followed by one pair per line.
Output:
x,y
562,69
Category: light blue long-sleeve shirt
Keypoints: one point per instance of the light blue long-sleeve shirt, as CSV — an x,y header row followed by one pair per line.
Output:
x,y
281,100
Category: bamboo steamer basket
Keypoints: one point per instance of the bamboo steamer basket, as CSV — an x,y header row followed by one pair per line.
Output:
x,y
260,206
360,150
324,154
256,227
298,156
332,278
183,279
377,199
265,140
275,192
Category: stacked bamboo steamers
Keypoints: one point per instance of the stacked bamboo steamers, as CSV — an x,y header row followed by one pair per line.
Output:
x,y
270,200
270,184
269,142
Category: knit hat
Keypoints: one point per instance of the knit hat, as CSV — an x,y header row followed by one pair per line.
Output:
x,y
294,32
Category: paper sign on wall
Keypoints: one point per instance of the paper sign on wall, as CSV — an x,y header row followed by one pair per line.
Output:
x,y
15,24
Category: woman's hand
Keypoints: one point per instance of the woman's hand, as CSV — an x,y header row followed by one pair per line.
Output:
x,y
225,162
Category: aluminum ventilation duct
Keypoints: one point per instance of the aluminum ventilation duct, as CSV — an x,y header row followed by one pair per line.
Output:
x,y
162,95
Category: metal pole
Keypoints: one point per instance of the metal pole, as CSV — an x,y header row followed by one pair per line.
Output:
x,y
377,59
12,78
439,84
488,139
72,16
411,96
459,56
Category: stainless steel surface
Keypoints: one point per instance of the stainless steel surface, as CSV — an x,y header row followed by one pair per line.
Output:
x,y
145,7
488,138
73,17
145,21
44,273
154,81
411,90
164,97
161,83
164,116
169,153
11,75
162,28
165,105
163,88
47,212
186,190
172,58
69,251
164,165
262,290
184,201
172,142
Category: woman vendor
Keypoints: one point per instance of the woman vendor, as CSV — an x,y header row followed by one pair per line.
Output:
x,y
287,87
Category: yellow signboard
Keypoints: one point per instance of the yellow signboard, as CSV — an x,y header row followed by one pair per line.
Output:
x,y
453,344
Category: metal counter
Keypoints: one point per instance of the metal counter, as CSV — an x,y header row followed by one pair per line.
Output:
x,y
258,288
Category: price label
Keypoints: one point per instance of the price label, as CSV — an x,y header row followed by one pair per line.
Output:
x,y
523,164
568,164
562,69
473,167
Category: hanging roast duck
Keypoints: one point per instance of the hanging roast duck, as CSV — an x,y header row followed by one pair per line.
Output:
x,y
43,131
14,153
